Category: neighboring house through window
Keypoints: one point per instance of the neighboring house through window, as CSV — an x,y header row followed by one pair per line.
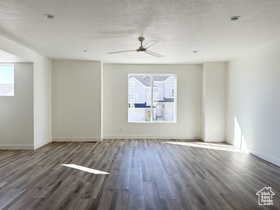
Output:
x,y
152,97
6,80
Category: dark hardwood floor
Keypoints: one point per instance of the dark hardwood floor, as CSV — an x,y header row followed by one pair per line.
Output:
x,y
144,175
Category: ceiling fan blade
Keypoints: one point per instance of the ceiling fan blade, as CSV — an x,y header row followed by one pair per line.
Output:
x,y
150,44
121,51
153,53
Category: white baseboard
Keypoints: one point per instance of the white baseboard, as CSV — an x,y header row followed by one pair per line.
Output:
x,y
41,145
213,140
75,139
150,137
268,158
16,147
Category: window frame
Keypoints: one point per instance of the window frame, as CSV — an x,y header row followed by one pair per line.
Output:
x,y
13,67
152,102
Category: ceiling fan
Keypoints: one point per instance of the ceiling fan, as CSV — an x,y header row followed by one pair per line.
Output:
x,y
142,48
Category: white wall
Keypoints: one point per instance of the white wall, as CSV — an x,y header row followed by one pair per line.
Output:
x,y
76,100
214,101
16,122
41,87
115,102
42,101
254,101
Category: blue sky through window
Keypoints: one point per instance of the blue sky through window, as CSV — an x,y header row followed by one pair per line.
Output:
x,y
6,74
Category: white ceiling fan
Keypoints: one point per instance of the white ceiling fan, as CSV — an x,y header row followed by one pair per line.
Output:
x,y
142,48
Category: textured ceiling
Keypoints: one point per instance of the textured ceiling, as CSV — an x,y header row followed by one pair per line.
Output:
x,y
180,26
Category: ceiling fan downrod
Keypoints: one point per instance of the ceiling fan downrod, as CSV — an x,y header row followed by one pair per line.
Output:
x,y
141,48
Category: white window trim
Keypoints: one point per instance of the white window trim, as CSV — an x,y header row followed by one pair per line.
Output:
x,y
151,108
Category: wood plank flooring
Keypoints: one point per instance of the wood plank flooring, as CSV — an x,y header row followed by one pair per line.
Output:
x,y
144,175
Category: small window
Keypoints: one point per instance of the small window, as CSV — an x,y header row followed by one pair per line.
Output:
x,y
152,98
6,80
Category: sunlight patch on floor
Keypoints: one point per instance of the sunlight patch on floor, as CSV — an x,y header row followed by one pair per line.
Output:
x,y
82,168
205,145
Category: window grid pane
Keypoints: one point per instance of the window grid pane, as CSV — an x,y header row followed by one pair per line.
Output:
x,y
7,80
164,100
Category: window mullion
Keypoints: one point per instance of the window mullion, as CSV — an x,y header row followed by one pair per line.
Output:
x,y
152,99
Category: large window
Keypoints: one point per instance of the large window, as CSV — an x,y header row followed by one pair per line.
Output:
x,y
6,80
152,98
